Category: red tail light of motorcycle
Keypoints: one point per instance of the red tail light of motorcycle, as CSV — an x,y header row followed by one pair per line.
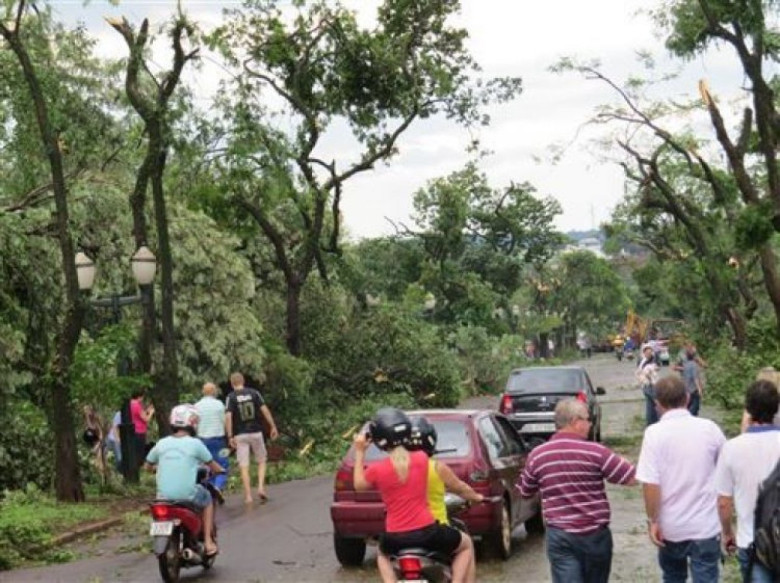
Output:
x,y
506,405
411,567
343,480
161,512
582,397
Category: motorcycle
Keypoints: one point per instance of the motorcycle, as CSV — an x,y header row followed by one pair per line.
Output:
x,y
177,530
419,565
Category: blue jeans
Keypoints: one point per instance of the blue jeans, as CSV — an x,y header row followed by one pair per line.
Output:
x,y
651,414
704,555
215,445
116,448
579,558
759,573
694,403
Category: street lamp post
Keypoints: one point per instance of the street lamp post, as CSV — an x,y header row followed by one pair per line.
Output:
x,y
144,266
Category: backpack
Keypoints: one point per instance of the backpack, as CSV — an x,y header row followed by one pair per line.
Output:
x,y
766,521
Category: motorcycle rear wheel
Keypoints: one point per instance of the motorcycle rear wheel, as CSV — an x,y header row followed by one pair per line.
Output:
x,y
170,561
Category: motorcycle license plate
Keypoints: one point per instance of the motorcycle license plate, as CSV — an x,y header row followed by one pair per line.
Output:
x,y
161,528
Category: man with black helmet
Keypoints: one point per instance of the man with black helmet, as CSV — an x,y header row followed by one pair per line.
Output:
x,y
402,481
441,478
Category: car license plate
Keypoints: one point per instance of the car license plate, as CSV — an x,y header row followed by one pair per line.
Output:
x,y
161,528
538,428
412,581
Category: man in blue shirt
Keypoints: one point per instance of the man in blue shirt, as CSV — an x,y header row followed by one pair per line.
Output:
x,y
177,458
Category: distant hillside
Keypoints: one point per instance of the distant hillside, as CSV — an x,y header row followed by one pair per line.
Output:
x,y
577,236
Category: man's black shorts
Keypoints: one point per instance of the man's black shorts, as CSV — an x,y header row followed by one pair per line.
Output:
x,y
436,537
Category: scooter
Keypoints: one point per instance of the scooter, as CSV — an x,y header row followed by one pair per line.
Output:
x,y
419,565
177,530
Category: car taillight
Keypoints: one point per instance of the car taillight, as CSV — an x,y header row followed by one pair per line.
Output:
x,y
506,404
582,397
411,567
161,512
343,480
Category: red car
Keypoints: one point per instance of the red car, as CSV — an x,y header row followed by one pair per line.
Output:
x,y
482,448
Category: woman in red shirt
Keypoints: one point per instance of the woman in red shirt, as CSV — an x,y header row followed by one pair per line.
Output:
x,y
140,416
402,481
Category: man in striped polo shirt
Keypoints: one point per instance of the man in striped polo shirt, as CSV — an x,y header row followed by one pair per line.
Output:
x,y
569,471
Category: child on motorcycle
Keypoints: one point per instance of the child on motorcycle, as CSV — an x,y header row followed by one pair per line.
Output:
x,y
176,459
402,481
441,478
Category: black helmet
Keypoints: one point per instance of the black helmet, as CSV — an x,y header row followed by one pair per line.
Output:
x,y
389,428
424,436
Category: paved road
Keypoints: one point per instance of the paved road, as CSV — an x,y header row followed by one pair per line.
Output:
x,y
290,538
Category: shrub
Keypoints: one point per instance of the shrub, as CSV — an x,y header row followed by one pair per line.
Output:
x,y
730,371
25,447
29,519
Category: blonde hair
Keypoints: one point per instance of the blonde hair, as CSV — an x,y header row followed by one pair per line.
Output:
x,y
399,456
237,380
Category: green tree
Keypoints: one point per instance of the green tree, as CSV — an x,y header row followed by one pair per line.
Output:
x,y
479,241
17,18
693,27
150,97
330,72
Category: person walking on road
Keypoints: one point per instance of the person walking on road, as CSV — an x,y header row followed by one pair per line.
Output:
x,y
694,386
677,470
244,429
211,431
569,471
647,375
744,463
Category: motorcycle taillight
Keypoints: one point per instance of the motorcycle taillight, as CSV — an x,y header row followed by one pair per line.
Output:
x,y
161,512
411,567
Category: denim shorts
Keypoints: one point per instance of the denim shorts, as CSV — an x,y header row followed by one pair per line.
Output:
x,y
202,496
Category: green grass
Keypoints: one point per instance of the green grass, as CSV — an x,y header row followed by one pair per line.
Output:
x,y
29,521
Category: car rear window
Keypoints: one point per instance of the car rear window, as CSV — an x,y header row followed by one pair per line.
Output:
x,y
453,441
544,381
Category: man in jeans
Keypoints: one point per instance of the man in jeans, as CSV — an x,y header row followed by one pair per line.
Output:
x,y
211,431
677,468
569,471
244,429
744,463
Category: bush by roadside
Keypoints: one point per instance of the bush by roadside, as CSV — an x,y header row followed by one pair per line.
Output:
x,y
30,519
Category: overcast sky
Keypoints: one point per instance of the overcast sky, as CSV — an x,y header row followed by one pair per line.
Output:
x,y
507,37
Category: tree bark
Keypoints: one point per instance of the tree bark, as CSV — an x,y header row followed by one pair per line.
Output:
x,y
294,317
166,385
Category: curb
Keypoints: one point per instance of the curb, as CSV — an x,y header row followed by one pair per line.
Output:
x,y
87,529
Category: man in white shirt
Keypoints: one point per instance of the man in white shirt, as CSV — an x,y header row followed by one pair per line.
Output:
x,y
677,467
744,463
211,431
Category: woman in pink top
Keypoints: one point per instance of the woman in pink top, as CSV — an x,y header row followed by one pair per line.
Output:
x,y
402,481
140,416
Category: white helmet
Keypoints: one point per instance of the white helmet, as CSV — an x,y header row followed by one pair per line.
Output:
x,y
185,416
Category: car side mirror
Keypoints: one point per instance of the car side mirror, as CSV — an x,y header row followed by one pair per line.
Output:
x,y
600,391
